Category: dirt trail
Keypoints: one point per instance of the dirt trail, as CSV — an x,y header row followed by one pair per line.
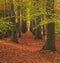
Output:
x,y
26,42
26,51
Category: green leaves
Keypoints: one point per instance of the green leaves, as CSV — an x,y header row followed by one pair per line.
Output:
x,y
4,25
36,8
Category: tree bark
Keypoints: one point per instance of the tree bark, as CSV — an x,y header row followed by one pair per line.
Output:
x,y
43,30
50,42
18,18
14,35
32,26
24,26
38,34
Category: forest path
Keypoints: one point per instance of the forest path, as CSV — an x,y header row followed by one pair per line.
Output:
x,y
29,43
27,51
26,42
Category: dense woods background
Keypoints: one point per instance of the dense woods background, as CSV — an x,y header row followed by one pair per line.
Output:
x,y
35,21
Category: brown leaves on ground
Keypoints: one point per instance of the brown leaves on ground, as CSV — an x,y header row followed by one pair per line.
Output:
x,y
27,51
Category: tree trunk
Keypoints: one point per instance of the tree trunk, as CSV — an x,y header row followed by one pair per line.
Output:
x,y
18,18
24,26
32,26
43,30
50,42
38,34
14,35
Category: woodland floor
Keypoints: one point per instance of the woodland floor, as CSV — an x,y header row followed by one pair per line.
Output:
x,y
28,50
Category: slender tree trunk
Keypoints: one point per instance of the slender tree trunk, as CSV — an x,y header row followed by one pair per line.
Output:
x,y
6,14
32,26
18,18
38,34
43,26
24,26
14,35
43,30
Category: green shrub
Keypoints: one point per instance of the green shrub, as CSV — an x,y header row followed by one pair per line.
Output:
x,y
5,26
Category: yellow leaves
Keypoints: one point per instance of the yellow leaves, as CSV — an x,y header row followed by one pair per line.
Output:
x,y
28,13
1,2
57,5
1,5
